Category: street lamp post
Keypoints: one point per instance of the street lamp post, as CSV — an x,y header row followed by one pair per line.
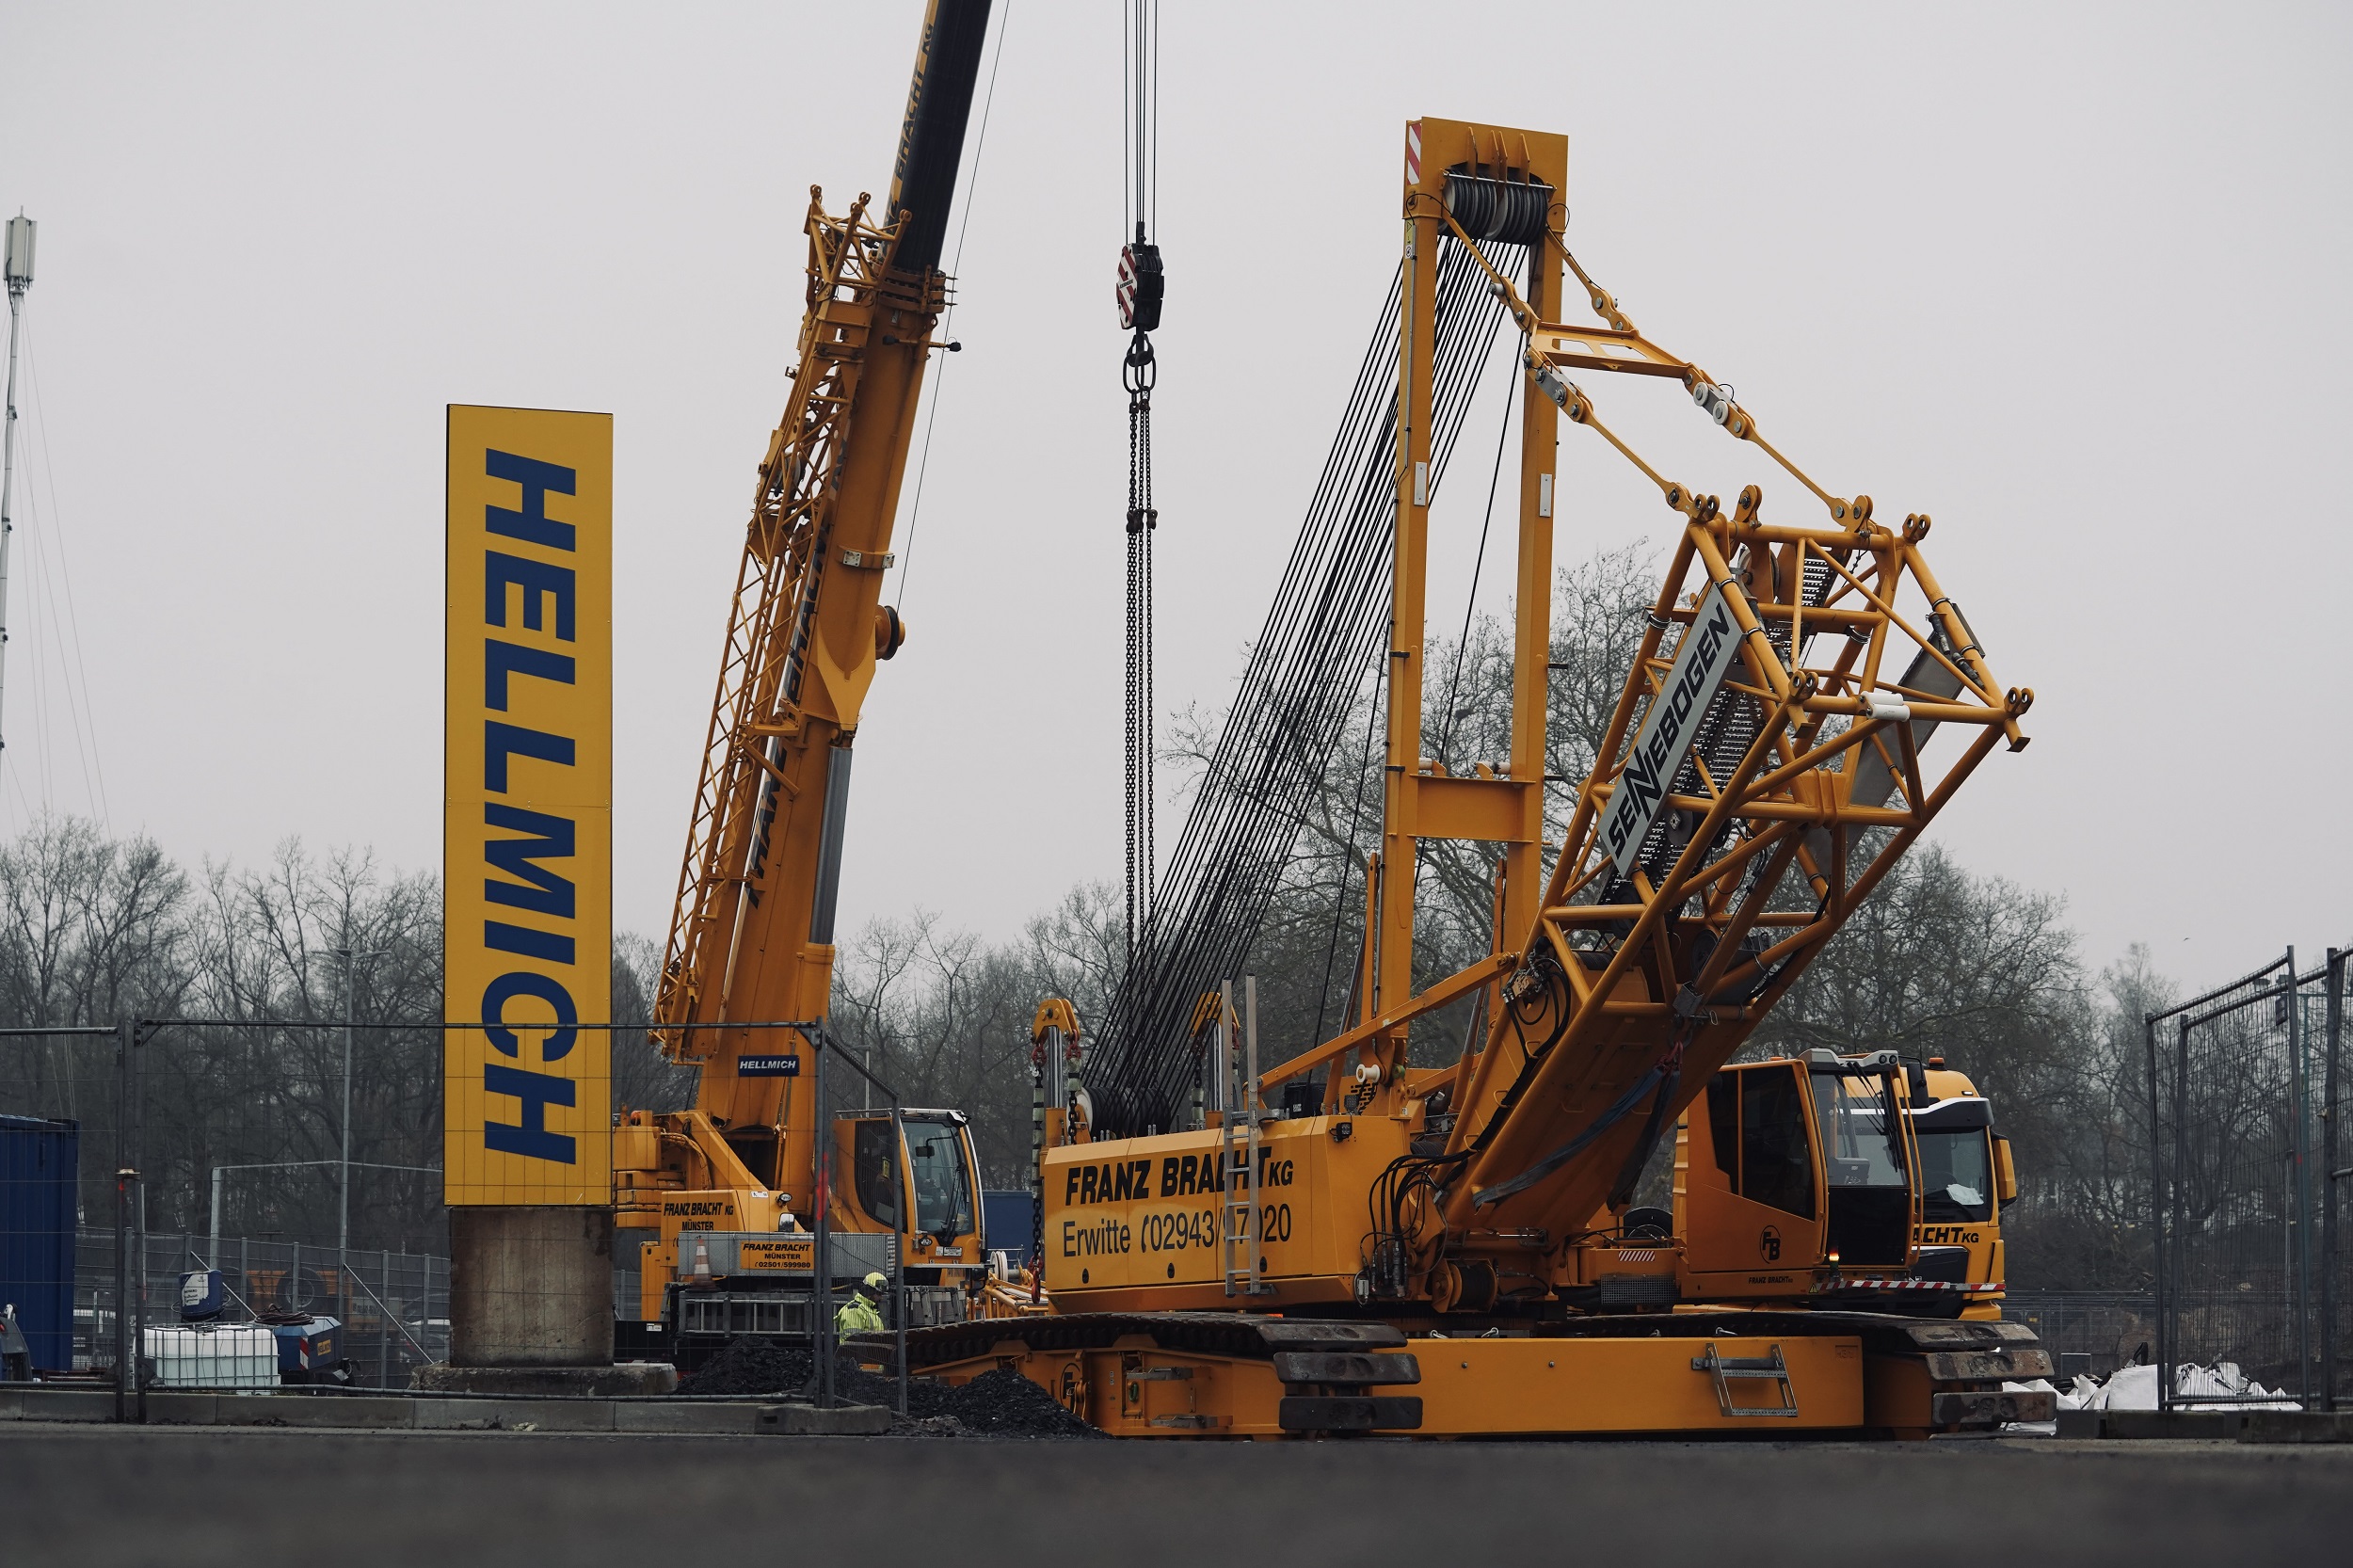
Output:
x,y
351,960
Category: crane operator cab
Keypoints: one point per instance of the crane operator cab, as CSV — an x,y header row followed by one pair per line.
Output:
x,y
933,1205
1967,1176
1794,1177
710,1283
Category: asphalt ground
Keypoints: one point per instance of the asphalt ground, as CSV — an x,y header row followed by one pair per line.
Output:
x,y
194,1498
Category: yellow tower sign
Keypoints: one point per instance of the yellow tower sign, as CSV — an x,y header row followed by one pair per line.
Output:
x,y
527,813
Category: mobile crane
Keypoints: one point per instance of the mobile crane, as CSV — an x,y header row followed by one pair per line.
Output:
x,y
1446,1250
714,1197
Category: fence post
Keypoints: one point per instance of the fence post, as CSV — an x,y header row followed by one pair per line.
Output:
x,y
899,1199
139,1220
2156,1184
2301,1197
2332,1031
821,1373
2181,1155
123,1360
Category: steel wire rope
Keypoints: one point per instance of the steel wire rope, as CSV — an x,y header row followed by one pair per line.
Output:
x,y
1340,896
1470,600
948,319
1257,787
84,716
1326,620
1283,616
1139,128
1458,351
1360,518
1470,605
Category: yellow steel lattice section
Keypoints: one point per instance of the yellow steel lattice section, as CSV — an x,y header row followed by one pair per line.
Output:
x,y
1646,969
784,559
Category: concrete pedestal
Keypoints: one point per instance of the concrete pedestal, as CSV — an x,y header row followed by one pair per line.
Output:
x,y
530,1288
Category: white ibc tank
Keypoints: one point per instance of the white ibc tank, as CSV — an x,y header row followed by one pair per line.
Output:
x,y
207,1355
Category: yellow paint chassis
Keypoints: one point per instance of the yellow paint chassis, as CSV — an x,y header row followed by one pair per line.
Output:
x,y
1753,1373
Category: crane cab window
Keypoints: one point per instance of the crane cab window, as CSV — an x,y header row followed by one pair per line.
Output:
x,y
937,1173
1955,1141
1776,1163
1956,1177
943,1184
1859,1136
1723,1123
1863,1155
870,1154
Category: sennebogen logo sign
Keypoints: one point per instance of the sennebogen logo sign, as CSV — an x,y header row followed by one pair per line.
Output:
x,y
1708,654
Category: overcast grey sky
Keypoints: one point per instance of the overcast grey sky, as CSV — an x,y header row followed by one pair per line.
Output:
x,y
2071,278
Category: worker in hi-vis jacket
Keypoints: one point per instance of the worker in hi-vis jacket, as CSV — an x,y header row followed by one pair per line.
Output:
x,y
862,1313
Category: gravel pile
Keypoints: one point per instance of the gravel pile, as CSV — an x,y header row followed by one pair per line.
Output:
x,y
1001,1404
1004,1403
750,1366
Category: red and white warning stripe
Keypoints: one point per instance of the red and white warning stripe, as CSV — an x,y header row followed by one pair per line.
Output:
x,y
1127,287
1413,151
1843,1283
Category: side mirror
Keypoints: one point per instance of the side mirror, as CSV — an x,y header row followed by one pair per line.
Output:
x,y
2005,1170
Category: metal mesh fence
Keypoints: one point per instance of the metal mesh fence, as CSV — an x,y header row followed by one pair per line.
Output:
x,y
2234,1097
2333,1170
332,1317
2107,1329
279,1221
84,1275
67,1128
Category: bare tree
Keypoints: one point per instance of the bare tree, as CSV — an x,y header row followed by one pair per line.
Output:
x,y
642,1079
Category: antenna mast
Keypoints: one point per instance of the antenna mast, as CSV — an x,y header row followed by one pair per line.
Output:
x,y
20,278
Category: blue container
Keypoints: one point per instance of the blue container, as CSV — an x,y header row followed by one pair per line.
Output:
x,y
308,1349
1005,1219
200,1294
39,1191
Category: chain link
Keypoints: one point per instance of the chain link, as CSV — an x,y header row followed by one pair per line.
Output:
x,y
1138,374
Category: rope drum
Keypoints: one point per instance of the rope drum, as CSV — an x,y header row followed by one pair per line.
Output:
x,y
1510,212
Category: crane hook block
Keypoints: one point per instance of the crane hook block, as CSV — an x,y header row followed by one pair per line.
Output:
x,y
1142,285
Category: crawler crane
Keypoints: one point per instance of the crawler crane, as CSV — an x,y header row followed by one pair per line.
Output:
x,y
1362,1244
704,1193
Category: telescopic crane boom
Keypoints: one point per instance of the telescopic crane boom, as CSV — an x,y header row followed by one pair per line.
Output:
x,y
751,943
